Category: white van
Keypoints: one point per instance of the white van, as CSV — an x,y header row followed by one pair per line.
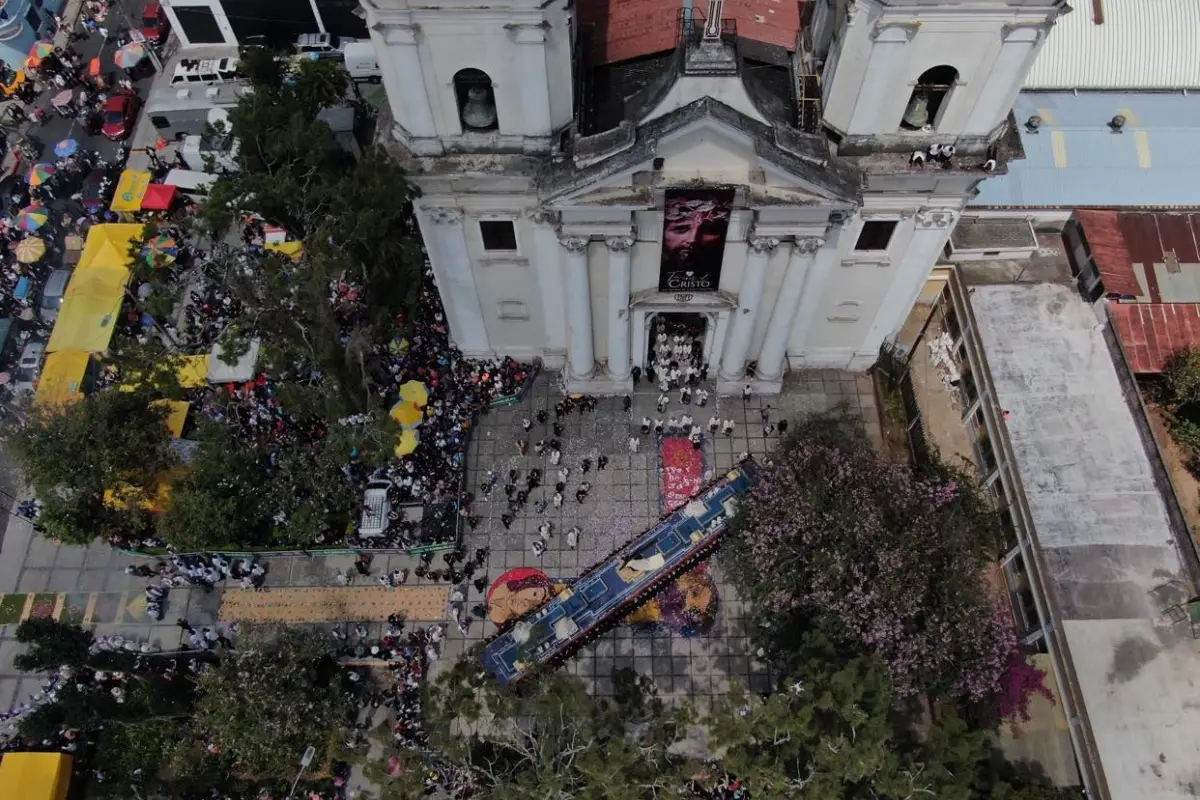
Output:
x,y
376,509
195,185
361,63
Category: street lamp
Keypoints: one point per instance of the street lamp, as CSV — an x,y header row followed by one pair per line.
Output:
x,y
305,762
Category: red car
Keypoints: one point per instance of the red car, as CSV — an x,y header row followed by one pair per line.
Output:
x,y
120,112
155,26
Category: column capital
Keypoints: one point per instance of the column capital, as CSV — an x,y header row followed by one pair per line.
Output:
x,y
445,216
807,245
763,245
543,216
936,217
619,244
394,33
574,244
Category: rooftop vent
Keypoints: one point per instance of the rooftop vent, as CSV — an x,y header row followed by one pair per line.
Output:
x,y
1117,123
1033,123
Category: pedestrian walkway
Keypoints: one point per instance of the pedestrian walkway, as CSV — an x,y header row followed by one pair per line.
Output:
x,y
83,608
334,604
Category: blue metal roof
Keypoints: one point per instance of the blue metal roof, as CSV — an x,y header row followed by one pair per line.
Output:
x,y
1075,160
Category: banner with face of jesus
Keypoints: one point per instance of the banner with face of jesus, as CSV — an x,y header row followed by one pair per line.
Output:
x,y
695,222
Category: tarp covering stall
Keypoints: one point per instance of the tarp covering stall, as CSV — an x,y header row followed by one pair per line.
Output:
x,y
35,776
108,245
93,297
131,189
62,378
159,197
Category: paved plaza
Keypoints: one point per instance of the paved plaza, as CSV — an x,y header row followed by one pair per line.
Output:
x,y
89,584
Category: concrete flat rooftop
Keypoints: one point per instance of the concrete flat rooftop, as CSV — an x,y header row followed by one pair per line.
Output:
x,y
1108,555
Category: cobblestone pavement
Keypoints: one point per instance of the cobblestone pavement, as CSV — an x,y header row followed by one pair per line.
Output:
x,y
90,585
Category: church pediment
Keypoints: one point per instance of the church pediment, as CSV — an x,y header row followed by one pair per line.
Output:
x,y
703,144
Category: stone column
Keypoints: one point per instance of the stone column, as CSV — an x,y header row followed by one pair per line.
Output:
x,y
787,303
406,80
882,84
733,363
619,260
581,353
532,81
456,281
933,226
548,258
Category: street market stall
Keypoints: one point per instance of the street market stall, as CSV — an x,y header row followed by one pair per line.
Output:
x,y
35,776
62,379
131,190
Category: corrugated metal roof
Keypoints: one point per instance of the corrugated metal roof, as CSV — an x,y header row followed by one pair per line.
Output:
x,y
1076,160
1152,332
1141,45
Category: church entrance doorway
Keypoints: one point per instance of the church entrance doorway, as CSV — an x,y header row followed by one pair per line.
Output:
x,y
677,339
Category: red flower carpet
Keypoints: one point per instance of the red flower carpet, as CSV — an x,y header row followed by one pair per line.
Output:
x,y
681,469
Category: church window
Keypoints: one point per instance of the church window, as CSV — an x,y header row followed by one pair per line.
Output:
x,y
929,97
875,235
513,309
476,100
499,235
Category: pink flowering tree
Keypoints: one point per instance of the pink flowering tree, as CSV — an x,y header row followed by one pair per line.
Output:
x,y
886,559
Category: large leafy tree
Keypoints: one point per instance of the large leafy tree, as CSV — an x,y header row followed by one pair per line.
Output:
x,y
548,738
888,559
112,441
353,216
278,694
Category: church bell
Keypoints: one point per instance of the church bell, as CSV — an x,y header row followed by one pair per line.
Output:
x,y
916,116
479,112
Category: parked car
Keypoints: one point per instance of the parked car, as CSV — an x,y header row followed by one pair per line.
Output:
x,y
29,368
120,114
53,292
155,25
321,45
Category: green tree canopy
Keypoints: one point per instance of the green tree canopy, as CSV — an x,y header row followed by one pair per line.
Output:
x,y
111,441
277,694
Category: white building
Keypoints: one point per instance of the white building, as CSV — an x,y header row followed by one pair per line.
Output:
x,y
590,171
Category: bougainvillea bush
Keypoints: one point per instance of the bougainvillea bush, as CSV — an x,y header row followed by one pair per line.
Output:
x,y
886,559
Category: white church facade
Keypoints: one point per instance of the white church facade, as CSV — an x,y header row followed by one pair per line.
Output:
x,y
777,180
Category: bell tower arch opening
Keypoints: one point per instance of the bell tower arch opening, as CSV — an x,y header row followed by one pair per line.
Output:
x,y
476,100
929,98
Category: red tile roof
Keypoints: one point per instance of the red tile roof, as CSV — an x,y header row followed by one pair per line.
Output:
x,y
626,29
1118,240
1152,332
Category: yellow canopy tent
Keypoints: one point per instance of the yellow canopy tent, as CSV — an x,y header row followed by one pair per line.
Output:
x,y
126,495
62,378
407,442
35,776
191,372
407,415
177,412
108,245
85,323
292,250
131,188
98,282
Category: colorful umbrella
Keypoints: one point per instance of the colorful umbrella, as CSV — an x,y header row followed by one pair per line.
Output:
x,y
29,250
407,442
129,55
32,218
416,393
63,98
66,148
40,173
40,50
407,415
162,249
